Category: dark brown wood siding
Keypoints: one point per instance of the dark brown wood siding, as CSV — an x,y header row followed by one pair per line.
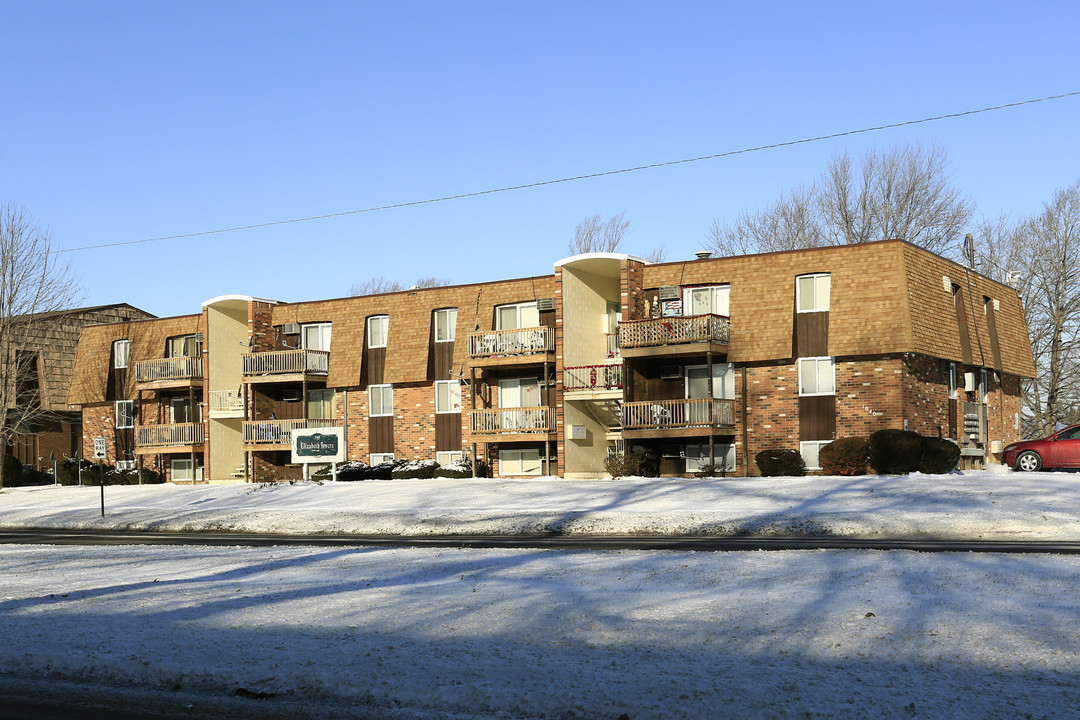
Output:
x,y
447,431
373,368
962,323
442,360
381,434
991,326
811,334
817,417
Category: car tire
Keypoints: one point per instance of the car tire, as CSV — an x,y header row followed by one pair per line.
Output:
x,y
1029,461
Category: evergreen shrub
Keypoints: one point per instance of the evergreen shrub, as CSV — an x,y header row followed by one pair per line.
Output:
x,y
939,456
779,462
845,456
895,452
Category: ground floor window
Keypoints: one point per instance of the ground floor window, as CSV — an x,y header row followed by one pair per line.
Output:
x,y
519,462
810,450
380,458
182,470
697,456
448,457
125,464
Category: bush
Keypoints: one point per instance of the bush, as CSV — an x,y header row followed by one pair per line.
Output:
x,y
13,471
711,470
419,469
938,456
895,452
846,456
620,465
462,469
780,463
348,471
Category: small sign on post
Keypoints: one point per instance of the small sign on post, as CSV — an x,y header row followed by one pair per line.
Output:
x,y
322,445
100,448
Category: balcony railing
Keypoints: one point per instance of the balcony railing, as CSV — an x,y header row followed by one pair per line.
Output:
x,y
691,412
279,432
169,435
612,344
593,377
226,401
508,421
674,331
286,362
520,341
176,368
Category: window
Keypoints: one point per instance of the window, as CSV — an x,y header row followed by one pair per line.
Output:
x,y
181,470
380,458
697,456
381,400
315,336
706,300
952,381
180,410
448,457
445,325
612,317
125,413
125,464
447,396
378,327
320,404
519,462
183,346
519,315
120,350
812,292
697,381
810,450
984,385
817,376
519,392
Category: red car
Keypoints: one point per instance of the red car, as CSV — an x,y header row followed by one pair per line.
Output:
x,y
1060,450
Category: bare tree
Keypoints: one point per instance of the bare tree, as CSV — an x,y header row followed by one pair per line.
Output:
x,y
33,288
596,235
379,285
658,255
902,193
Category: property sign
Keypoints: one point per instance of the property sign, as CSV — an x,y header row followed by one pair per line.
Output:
x,y
100,448
322,445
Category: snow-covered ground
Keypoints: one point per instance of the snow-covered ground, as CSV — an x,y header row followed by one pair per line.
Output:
x,y
408,633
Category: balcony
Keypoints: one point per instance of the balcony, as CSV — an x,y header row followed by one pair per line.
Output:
x,y
277,434
585,381
612,340
678,418
169,438
512,424
519,346
286,365
175,372
226,404
675,335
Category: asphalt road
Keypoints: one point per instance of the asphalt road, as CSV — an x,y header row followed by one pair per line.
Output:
x,y
550,542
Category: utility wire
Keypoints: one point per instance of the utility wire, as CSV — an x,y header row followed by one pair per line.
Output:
x,y
575,178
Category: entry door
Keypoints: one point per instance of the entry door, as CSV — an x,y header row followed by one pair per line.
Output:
x,y
697,386
181,410
520,393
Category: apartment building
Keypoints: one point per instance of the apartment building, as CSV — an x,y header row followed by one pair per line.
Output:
x,y
686,363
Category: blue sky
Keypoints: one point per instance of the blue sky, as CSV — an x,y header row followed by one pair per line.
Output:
x,y
131,120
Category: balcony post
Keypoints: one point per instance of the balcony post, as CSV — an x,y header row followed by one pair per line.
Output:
x,y
712,440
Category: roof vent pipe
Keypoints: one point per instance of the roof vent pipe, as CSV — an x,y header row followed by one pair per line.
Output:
x,y
703,254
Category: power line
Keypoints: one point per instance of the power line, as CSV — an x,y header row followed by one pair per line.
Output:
x,y
575,178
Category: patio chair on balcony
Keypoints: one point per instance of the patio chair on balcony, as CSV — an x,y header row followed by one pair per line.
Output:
x,y
660,414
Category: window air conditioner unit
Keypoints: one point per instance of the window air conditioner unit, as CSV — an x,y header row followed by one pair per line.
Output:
x,y
577,432
290,395
290,329
670,292
545,304
670,372
198,337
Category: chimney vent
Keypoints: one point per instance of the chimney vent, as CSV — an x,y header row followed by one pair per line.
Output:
x,y
703,254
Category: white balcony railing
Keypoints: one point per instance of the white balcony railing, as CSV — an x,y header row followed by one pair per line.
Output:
x,y
279,432
520,341
495,421
674,331
226,401
169,435
593,377
284,362
691,412
177,368
612,344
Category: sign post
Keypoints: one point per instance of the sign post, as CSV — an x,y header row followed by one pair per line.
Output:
x,y
322,445
100,452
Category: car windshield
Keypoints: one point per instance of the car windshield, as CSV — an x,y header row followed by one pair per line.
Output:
x,y
1070,434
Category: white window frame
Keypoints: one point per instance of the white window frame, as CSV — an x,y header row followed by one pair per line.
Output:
x,y
953,387
453,397
381,391
697,456
121,358
518,308
128,416
722,372
817,362
817,444
377,337
819,280
182,401
447,318
187,474
325,334
323,398
182,341
380,458
984,385
449,457
512,462
719,299
125,465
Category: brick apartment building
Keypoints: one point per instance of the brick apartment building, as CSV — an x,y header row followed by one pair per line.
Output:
x,y
688,362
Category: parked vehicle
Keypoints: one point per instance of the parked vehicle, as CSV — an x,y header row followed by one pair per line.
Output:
x,y
1060,450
